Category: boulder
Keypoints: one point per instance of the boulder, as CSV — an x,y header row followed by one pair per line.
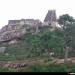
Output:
x,y
12,41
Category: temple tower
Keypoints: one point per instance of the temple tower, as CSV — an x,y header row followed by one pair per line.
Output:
x,y
50,17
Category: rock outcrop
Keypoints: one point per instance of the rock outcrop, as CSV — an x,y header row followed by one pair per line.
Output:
x,y
10,32
16,28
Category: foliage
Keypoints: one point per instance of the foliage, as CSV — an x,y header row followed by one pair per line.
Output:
x,y
68,31
65,18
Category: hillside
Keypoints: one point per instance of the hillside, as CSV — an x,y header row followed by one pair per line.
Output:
x,y
30,51
34,51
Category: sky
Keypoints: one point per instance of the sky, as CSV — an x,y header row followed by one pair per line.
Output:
x,y
36,9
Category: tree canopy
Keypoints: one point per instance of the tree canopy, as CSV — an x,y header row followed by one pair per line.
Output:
x,y
66,18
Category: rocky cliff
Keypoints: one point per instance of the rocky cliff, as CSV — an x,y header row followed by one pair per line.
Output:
x,y
10,32
16,28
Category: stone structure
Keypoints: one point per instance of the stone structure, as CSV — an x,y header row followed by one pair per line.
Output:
x,y
24,21
50,20
14,22
16,28
50,17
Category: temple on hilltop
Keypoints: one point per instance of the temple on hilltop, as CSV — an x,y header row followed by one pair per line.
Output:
x,y
50,20
17,28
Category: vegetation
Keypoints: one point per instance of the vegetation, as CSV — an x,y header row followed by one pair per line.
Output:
x,y
31,46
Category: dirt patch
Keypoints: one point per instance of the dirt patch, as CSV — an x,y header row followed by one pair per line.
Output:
x,y
24,63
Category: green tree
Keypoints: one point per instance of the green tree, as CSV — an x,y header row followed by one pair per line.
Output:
x,y
68,28
69,32
65,18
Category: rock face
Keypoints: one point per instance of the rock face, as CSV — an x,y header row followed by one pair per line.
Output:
x,y
16,28
11,32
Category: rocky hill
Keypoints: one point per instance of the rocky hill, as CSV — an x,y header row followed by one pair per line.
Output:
x,y
9,32
16,29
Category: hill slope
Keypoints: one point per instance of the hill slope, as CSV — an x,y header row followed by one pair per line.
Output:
x,y
35,46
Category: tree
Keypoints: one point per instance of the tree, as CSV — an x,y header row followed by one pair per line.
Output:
x,y
65,20
68,30
62,19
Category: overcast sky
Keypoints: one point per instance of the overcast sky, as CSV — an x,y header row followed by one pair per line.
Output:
x,y
37,9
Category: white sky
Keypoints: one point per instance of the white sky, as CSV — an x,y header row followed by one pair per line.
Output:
x,y
37,9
